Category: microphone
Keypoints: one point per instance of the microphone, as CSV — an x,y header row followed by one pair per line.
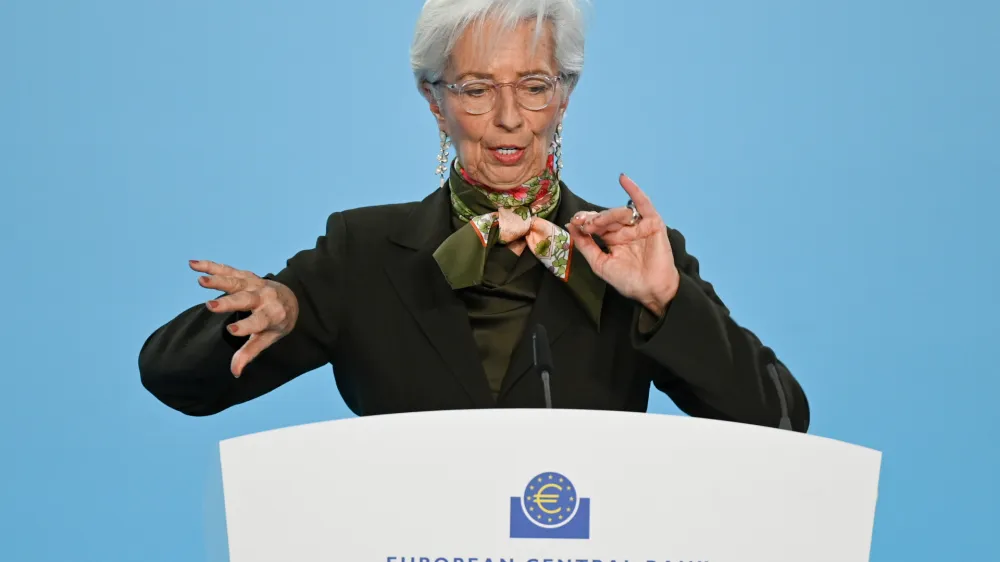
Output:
x,y
772,371
542,359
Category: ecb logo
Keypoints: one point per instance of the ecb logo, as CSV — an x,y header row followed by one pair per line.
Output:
x,y
550,508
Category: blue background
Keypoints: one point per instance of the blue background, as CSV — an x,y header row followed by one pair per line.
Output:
x,y
833,164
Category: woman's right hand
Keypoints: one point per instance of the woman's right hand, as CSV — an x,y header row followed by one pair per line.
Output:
x,y
273,307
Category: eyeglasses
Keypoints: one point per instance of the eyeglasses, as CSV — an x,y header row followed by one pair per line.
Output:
x,y
533,92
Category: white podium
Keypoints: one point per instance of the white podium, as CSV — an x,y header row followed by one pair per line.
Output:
x,y
546,485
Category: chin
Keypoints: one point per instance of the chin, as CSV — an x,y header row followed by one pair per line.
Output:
x,y
504,180
511,177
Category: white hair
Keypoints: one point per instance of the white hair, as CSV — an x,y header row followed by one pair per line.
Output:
x,y
442,22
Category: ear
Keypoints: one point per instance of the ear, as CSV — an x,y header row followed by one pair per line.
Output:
x,y
428,91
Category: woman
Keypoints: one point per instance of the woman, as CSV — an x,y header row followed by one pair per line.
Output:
x,y
431,305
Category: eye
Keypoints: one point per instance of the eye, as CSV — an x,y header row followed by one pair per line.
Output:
x,y
476,90
535,86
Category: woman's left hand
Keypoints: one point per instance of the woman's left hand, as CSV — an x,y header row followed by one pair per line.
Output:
x,y
640,262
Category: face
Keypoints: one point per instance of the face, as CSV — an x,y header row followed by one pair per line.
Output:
x,y
508,145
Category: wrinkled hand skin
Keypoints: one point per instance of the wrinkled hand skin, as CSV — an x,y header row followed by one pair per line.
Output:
x,y
639,263
272,307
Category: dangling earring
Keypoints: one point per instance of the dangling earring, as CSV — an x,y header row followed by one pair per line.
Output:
x,y
443,156
557,149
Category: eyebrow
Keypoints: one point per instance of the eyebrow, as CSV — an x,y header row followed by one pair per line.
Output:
x,y
487,75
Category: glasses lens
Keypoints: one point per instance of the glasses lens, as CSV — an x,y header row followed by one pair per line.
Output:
x,y
477,97
535,92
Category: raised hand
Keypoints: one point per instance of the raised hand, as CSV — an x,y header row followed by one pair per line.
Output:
x,y
640,262
273,307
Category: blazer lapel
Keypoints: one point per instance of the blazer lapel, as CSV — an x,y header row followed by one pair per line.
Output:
x,y
422,287
555,306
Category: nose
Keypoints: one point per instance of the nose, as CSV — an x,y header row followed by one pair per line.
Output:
x,y
508,112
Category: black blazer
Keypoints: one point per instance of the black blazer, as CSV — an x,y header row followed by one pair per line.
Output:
x,y
377,308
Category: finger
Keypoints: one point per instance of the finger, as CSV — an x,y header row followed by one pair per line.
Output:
x,y
645,230
587,247
242,300
619,231
250,350
642,203
256,323
229,284
602,232
622,236
582,217
610,220
212,268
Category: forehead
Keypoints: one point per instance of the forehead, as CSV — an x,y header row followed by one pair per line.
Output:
x,y
490,50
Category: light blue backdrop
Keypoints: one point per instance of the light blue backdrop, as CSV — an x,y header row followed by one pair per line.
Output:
x,y
834,166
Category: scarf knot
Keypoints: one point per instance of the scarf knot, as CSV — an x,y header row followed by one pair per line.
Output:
x,y
519,219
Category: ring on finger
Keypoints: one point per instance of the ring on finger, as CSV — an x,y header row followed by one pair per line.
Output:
x,y
636,217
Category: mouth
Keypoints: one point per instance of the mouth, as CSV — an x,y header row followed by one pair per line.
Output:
x,y
507,154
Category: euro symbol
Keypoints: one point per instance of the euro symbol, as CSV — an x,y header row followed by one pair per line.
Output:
x,y
543,498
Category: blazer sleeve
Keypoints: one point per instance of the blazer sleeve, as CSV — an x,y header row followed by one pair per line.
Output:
x,y
709,365
186,363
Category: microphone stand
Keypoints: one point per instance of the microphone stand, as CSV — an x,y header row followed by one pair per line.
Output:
x,y
543,360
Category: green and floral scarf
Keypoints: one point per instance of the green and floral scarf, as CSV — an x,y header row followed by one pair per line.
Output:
x,y
517,218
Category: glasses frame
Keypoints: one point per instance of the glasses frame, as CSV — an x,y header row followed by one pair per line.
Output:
x,y
458,87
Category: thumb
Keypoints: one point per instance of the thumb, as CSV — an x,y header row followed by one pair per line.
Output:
x,y
251,349
587,247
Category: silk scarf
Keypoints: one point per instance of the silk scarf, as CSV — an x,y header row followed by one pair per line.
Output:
x,y
519,219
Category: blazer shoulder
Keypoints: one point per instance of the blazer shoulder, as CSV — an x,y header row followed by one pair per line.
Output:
x,y
369,221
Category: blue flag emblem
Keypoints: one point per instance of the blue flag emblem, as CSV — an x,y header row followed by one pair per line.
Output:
x,y
550,508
